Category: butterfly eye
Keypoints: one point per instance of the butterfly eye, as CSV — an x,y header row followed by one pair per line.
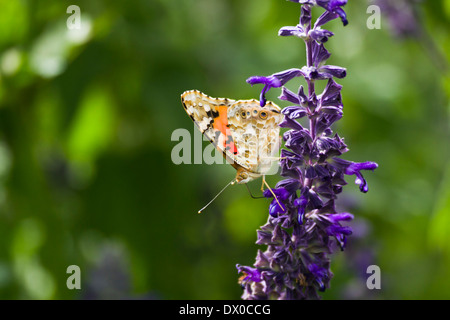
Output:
x,y
243,175
263,115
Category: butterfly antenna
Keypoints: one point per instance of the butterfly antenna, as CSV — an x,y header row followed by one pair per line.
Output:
x,y
251,195
231,182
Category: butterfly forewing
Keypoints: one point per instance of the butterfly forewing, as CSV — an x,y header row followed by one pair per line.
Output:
x,y
210,116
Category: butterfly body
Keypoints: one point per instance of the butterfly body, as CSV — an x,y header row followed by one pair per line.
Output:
x,y
247,134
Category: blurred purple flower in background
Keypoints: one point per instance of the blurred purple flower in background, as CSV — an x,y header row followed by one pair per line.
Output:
x,y
402,16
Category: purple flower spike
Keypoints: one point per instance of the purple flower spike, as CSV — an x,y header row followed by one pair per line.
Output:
x,y
288,95
319,54
281,193
335,230
274,81
320,35
269,82
319,275
301,203
297,31
331,99
295,112
332,71
310,2
275,209
345,216
304,227
355,169
350,168
251,274
334,7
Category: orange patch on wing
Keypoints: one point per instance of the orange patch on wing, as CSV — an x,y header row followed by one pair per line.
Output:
x,y
230,146
220,124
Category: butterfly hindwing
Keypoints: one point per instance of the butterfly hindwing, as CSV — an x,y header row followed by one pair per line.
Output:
x,y
256,133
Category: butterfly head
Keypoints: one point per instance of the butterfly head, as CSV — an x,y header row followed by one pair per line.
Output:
x,y
243,176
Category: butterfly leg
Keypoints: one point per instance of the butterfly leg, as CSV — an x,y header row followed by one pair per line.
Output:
x,y
271,191
251,195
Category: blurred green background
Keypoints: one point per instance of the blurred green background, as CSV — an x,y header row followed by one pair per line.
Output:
x,y
86,176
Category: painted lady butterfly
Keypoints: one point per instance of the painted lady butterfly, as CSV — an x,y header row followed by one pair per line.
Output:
x,y
247,134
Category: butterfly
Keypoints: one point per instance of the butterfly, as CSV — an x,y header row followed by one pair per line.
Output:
x,y
247,134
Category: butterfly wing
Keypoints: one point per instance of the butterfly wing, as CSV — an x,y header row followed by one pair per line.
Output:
x,y
246,134
256,133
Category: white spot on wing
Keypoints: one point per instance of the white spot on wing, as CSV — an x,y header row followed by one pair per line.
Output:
x,y
203,125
